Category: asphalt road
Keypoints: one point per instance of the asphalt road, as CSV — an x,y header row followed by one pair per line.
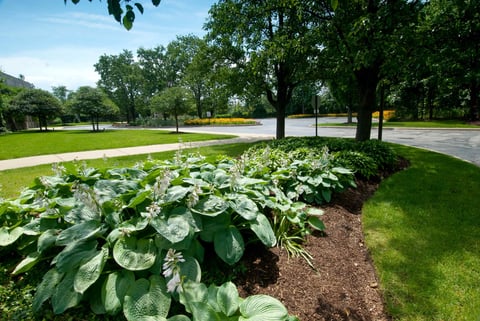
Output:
x,y
460,143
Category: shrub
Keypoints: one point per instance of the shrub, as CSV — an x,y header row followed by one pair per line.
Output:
x,y
220,121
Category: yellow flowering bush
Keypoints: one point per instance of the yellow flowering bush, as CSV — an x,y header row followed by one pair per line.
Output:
x,y
387,114
220,121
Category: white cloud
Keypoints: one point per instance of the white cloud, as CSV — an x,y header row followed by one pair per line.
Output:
x,y
68,66
94,21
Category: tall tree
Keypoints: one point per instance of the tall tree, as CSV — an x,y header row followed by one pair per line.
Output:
x,y
269,43
93,103
38,103
364,36
121,79
173,100
453,28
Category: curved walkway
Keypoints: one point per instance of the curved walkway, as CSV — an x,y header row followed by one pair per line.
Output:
x,y
118,152
460,143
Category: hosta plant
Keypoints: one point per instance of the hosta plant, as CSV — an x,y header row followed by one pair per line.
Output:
x,y
107,233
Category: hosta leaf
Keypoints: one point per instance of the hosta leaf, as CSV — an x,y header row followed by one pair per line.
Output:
x,y
79,232
65,296
316,223
147,300
202,311
73,254
211,206
133,254
175,229
179,317
262,308
213,224
227,298
89,272
263,230
114,289
244,206
193,292
229,245
47,239
27,263
9,236
46,288
190,269
315,211
175,193
327,195
342,170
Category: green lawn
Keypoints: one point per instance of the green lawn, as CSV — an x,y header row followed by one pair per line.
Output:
x,y
414,124
12,181
422,228
32,143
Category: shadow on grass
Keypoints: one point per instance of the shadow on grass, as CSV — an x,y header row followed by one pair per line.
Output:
x,y
423,228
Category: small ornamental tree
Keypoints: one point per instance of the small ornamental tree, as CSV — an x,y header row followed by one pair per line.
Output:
x,y
174,100
93,103
37,103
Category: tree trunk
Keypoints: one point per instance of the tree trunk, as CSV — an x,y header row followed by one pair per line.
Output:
x,y
367,81
474,91
176,118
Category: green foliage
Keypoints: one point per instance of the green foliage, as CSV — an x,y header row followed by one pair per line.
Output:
x,y
132,240
382,155
115,226
38,103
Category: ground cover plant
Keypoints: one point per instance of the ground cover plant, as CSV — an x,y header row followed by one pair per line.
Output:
x,y
125,224
30,143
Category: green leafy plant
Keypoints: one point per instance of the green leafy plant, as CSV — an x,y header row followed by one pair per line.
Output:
x,y
110,230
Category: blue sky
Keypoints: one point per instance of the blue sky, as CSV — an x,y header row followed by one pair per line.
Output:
x,y
54,44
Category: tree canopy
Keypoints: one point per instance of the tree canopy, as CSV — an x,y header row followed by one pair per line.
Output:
x,y
38,103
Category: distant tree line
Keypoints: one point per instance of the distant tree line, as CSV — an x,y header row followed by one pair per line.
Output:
x,y
269,57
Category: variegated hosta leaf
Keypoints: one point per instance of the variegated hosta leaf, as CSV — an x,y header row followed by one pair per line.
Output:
x,y
147,300
9,236
134,254
27,263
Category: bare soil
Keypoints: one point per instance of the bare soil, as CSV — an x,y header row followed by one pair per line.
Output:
x,y
343,285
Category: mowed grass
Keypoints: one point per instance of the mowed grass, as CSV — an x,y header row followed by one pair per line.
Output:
x,y
423,230
33,143
13,181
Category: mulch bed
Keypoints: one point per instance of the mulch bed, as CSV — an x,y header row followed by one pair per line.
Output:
x,y
343,285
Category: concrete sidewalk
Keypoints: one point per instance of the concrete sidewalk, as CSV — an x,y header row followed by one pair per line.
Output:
x,y
118,152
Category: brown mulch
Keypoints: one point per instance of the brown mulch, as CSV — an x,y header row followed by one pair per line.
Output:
x,y
343,285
